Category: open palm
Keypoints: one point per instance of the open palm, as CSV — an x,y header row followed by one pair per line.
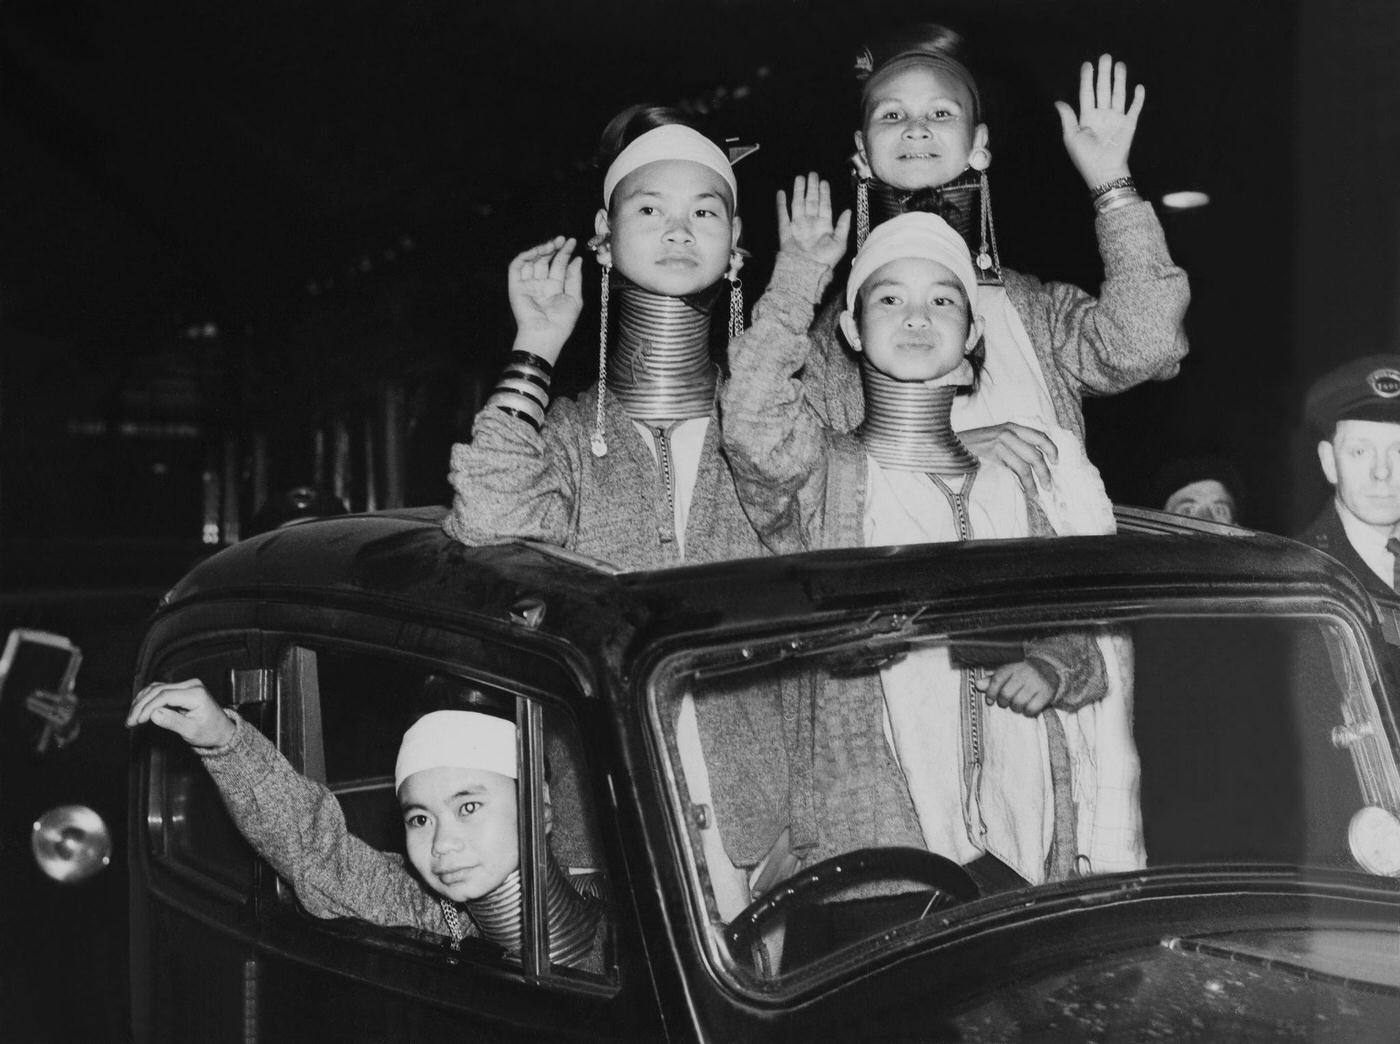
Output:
x,y
1099,137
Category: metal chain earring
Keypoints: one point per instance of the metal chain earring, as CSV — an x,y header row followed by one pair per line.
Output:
x,y
599,442
862,211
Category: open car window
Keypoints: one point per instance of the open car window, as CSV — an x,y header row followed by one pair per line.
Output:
x,y
842,790
342,715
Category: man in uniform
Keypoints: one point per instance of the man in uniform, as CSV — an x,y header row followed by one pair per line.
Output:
x,y
1356,412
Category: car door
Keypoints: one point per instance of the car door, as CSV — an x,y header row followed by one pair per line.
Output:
x,y
193,879
336,706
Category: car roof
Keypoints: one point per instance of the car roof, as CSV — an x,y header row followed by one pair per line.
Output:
x,y
404,559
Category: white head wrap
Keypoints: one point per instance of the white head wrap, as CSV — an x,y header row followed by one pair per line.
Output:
x,y
457,739
673,141
920,235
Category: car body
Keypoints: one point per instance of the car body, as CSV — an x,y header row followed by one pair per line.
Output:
x,y
1264,724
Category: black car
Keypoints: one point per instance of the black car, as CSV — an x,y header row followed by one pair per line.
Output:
x,y
1235,871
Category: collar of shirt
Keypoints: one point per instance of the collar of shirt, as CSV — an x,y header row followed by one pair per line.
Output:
x,y
686,439
1369,543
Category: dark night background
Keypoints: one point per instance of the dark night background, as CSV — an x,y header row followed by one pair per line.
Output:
x,y
226,227
248,246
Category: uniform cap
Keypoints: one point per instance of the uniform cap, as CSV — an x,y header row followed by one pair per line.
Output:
x,y
1363,389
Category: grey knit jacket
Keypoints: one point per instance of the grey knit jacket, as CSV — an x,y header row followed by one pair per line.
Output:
x,y
297,825
512,482
1132,332
803,486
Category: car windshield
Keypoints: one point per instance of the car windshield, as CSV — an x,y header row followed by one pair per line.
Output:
x,y
845,789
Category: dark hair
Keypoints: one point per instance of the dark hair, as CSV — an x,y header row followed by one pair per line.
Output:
x,y
939,44
631,123
1183,471
445,692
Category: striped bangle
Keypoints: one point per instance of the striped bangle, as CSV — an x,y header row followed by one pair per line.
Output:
x,y
1126,181
517,405
523,390
1115,198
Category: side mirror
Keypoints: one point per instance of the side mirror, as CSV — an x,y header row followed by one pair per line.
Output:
x,y
39,668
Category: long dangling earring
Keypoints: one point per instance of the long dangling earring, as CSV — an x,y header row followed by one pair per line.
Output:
x,y
599,442
988,258
862,211
736,299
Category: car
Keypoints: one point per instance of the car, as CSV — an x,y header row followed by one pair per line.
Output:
x,y
1234,819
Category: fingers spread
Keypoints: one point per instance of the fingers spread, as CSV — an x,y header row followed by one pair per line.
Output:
x,y
1086,88
1139,96
1120,86
1103,89
1069,123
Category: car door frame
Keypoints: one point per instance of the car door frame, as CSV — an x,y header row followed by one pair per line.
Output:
x,y
269,930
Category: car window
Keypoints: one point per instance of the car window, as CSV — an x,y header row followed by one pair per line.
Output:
x,y
190,830
842,790
343,714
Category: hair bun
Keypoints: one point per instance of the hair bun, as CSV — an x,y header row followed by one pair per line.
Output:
x,y
631,123
929,38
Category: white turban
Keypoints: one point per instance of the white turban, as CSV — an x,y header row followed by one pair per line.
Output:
x,y
674,141
457,739
920,235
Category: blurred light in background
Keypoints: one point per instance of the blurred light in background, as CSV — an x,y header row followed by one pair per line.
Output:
x,y
1186,200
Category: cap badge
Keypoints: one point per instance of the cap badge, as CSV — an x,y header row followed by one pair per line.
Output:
x,y
1385,383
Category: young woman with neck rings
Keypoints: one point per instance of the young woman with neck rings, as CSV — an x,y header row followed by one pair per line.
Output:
x,y
923,145
630,471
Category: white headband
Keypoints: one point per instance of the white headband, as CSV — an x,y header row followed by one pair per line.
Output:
x,y
673,141
456,739
916,234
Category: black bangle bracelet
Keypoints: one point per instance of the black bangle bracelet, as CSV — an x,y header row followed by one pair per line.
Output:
x,y
520,356
512,411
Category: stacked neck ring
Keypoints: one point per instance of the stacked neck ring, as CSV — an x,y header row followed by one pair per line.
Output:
x,y
908,426
660,367
965,203
572,920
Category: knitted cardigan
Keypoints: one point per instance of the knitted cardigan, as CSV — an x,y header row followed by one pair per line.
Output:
x,y
803,486
512,482
1132,332
298,826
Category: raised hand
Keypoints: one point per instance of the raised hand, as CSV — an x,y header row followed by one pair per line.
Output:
x,y
807,230
1027,451
1099,137
186,709
546,295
